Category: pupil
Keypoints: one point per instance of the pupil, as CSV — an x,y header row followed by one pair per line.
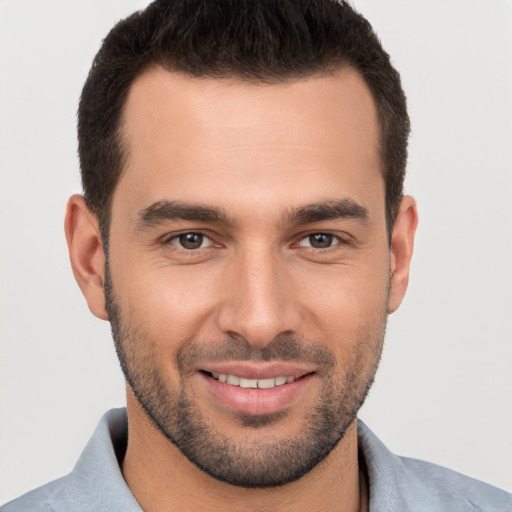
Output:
x,y
191,240
320,240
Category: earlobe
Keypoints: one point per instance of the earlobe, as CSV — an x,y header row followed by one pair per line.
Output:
x,y
402,245
86,253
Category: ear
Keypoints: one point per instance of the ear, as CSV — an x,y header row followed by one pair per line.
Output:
x,y
86,253
402,245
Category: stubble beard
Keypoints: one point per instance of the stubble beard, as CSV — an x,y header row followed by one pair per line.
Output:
x,y
258,462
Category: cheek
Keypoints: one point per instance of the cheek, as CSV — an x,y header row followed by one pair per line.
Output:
x,y
350,294
170,305
347,309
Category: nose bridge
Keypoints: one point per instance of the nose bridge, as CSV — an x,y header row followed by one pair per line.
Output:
x,y
257,305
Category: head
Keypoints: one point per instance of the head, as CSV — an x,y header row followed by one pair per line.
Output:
x,y
243,163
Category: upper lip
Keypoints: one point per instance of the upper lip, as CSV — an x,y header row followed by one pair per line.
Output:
x,y
258,370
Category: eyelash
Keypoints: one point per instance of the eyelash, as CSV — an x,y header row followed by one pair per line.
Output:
x,y
336,242
175,237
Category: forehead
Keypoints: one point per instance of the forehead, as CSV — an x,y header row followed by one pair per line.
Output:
x,y
193,139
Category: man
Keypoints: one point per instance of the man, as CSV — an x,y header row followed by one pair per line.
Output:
x,y
243,229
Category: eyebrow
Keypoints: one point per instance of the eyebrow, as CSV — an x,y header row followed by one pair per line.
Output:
x,y
345,208
164,211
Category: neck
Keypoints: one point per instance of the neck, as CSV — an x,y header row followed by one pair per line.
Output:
x,y
162,479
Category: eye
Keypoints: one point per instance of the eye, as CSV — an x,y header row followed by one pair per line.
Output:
x,y
191,241
319,241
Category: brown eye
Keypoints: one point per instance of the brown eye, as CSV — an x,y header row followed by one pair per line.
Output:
x,y
318,240
190,241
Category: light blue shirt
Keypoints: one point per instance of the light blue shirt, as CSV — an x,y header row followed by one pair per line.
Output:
x,y
396,483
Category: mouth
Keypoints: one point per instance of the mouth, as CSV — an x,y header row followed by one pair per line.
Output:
x,y
258,389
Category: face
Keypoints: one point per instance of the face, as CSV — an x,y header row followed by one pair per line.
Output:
x,y
249,268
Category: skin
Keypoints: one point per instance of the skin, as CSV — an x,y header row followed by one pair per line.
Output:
x,y
256,152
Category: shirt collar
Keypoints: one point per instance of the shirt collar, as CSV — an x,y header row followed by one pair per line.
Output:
x,y
97,474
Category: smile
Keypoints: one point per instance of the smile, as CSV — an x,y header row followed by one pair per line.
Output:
x,y
269,383
256,389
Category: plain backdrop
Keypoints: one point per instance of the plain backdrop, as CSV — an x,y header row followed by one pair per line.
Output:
x,y
444,390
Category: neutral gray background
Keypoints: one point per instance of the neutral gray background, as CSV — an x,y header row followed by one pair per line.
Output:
x,y
444,391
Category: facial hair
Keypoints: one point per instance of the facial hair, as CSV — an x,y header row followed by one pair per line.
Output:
x,y
258,462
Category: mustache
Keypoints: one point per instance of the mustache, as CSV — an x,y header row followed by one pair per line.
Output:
x,y
282,348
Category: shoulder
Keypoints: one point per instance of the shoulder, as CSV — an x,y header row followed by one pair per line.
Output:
x,y
96,481
402,483
425,482
47,498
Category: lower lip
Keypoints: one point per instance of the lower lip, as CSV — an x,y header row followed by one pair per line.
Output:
x,y
257,401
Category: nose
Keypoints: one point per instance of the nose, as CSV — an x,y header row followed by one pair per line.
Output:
x,y
258,300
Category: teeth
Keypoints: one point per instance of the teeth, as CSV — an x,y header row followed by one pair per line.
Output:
x,y
252,383
266,383
234,380
248,383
